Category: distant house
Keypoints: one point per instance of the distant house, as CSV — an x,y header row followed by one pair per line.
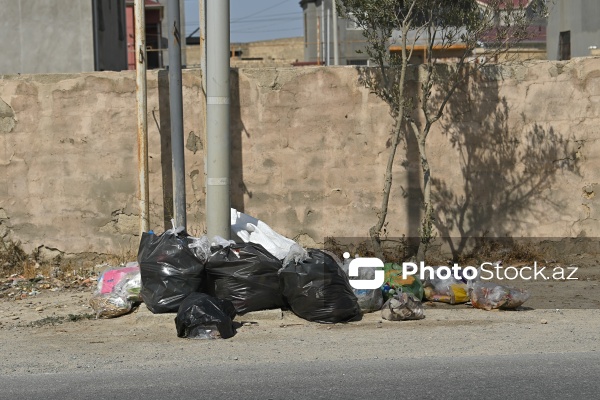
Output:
x,y
155,43
534,47
573,29
56,36
46,36
318,40
318,36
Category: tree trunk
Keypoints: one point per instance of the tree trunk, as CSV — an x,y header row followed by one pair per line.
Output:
x,y
427,220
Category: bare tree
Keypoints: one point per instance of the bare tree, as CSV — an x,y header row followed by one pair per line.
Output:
x,y
473,32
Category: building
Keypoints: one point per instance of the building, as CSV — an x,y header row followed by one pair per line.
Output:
x,y
532,48
573,29
318,40
265,53
53,36
155,42
318,36
56,36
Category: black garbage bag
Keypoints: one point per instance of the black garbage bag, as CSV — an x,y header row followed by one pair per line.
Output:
x,y
317,290
247,275
169,269
201,316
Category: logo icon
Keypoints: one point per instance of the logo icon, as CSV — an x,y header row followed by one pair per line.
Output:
x,y
366,262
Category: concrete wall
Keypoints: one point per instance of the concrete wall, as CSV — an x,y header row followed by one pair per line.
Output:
x,y
516,153
41,36
580,17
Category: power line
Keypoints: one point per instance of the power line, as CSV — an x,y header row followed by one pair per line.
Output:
x,y
272,30
258,12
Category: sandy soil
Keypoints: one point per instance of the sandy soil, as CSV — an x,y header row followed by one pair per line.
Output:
x,y
55,331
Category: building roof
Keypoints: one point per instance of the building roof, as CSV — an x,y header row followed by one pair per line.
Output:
x,y
504,3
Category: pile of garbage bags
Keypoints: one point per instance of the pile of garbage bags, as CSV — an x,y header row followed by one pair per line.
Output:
x,y
207,282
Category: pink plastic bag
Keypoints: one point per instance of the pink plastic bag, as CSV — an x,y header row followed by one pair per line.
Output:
x,y
110,278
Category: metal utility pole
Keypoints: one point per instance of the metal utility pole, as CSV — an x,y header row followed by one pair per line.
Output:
x,y
218,203
322,49
328,36
336,49
176,106
202,29
142,113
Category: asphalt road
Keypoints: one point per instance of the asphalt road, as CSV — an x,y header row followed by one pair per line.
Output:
x,y
531,376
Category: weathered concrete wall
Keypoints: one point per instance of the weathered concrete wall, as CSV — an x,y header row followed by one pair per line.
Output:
x,y
515,154
41,36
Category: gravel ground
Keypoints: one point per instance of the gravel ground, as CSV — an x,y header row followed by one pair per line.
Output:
x,y
48,328
143,340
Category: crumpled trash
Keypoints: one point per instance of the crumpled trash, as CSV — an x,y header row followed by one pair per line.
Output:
x,y
318,290
109,305
201,316
247,275
394,282
111,277
449,290
201,247
252,230
116,291
402,306
490,295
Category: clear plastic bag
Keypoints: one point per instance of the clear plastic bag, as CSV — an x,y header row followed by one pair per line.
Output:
x,y
109,305
489,296
402,307
116,291
448,290
201,247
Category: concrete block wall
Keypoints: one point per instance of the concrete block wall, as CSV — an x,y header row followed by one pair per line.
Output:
x,y
515,153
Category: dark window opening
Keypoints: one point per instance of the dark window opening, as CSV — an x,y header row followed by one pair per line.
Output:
x,y
564,45
357,62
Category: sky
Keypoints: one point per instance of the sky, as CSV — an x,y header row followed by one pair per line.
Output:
x,y
252,20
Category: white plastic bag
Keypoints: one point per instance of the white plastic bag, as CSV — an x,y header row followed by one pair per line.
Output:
x,y
250,229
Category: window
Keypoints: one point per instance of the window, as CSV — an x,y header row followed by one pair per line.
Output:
x,y
564,45
357,62
351,24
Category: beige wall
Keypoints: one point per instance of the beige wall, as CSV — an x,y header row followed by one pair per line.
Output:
x,y
267,53
519,155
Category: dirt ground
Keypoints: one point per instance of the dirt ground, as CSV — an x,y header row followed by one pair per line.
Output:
x,y
50,330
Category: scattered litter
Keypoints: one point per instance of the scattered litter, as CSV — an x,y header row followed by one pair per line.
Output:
x,y
489,296
116,291
395,283
247,275
201,316
110,305
318,290
449,290
402,307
